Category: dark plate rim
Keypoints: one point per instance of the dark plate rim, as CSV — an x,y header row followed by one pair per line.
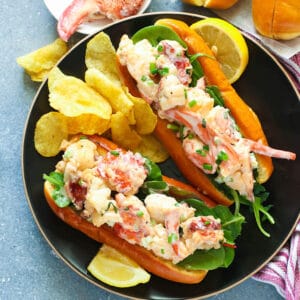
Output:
x,y
65,260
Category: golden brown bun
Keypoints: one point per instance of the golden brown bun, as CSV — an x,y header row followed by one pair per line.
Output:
x,y
245,117
277,19
140,255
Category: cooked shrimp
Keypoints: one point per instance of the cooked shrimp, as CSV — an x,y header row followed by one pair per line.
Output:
x,y
80,10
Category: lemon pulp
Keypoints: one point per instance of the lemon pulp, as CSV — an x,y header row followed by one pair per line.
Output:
x,y
115,269
227,44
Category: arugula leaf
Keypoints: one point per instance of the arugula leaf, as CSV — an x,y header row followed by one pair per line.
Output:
x,y
257,207
154,172
261,212
204,260
59,193
155,186
55,178
229,257
214,92
156,33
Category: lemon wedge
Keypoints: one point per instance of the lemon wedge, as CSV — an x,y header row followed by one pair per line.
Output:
x,y
115,269
227,44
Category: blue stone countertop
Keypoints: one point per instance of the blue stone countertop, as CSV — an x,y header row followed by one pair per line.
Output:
x,y
29,269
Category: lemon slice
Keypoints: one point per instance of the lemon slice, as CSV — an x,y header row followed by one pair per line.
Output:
x,y
116,269
217,4
227,43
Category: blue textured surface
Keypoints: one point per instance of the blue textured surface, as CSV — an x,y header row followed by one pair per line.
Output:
x,y
28,267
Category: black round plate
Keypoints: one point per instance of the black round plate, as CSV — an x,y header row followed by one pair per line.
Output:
x,y
267,89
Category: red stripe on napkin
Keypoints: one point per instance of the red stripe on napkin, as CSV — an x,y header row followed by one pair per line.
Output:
x,y
283,271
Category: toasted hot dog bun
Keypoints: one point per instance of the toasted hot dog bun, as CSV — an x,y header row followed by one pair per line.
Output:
x,y
244,116
277,19
106,235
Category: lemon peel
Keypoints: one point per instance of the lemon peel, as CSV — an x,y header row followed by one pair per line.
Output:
x,y
115,269
227,44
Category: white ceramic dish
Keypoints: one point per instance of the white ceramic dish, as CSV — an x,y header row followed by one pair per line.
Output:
x,y
56,8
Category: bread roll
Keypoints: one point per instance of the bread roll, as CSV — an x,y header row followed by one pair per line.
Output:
x,y
277,19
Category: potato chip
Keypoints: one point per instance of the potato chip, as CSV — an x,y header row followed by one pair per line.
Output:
x,y
38,63
55,76
144,116
87,124
73,97
122,133
151,148
101,54
111,91
50,130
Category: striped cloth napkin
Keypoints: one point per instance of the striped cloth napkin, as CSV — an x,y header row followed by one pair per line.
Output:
x,y
283,271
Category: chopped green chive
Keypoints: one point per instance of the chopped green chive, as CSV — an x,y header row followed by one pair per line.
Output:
x,y
185,93
222,156
207,167
181,132
206,147
162,251
173,237
115,152
203,123
160,48
153,68
144,78
114,207
206,223
173,127
201,152
139,213
163,71
192,103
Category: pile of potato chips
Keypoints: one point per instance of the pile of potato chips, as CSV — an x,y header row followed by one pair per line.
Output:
x,y
98,105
